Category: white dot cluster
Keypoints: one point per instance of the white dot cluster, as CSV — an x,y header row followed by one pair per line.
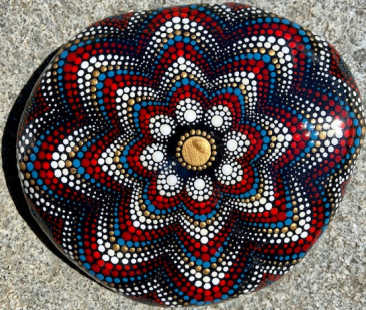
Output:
x,y
162,127
199,188
169,183
229,173
189,112
153,157
219,117
236,144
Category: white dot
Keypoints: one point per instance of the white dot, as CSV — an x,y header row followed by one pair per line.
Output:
x,y
190,115
165,129
217,121
227,169
55,156
176,19
280,138
198,283
199,184
114,260
158,156
204,240
281,41
171,180
232,145
58,173
84,65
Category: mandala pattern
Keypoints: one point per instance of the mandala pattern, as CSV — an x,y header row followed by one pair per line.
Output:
x,y
186,155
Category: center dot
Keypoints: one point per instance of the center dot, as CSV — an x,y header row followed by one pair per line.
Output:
x,y
217,121
165,129
157,156
196,151
232,145
190,116
199,184
227,169
172,180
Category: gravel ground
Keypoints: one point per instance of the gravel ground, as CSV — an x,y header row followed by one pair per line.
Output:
x,y
332,276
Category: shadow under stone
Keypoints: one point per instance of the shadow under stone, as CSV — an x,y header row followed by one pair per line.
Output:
x,y
10,163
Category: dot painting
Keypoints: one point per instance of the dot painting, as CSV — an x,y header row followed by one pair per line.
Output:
x,y
187,155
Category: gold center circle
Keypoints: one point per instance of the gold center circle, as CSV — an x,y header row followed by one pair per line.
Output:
x,y
196,151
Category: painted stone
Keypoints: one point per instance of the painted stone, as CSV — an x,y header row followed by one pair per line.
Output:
x,y
187,155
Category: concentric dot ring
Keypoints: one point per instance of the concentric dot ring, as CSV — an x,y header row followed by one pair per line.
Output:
x,y
196,150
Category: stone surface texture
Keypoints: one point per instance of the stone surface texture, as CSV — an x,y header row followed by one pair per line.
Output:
x,y
333,275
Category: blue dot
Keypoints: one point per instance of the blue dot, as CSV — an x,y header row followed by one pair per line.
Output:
x,y
64,54
30,166
266,58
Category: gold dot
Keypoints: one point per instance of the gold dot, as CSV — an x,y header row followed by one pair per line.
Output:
x,y
22,166
322,135
196,151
